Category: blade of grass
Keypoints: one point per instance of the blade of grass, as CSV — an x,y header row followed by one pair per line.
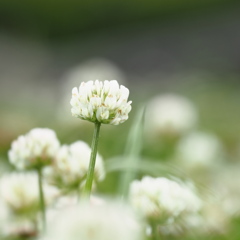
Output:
x,y
132,151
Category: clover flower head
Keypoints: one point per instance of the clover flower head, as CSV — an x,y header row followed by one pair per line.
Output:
x,y
104,102
161,198
93,222
71,164
37,148
170,114
94,68
19,191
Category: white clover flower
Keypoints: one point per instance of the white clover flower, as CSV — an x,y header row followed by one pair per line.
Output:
x,y
19,191
37,148
71,164
170,114
163,199
103,102
199,149
95,68
93,222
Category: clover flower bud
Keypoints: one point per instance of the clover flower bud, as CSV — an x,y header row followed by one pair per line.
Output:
x,y
95,222
71,164
104,102
35,149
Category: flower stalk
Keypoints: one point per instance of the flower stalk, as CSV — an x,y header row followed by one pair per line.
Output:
x,y
90,173
155,234
41,198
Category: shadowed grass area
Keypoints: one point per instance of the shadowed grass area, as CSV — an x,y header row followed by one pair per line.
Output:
x,y
58,18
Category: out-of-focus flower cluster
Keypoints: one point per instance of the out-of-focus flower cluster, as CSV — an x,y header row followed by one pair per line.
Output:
x,y
104,102
107,221
167,207
170,114
64,170
199,150
20,191
70,166
36,148
164,201
20,200
175,135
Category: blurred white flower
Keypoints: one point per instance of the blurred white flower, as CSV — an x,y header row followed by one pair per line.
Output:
x,y
214,220
96,68
226,186
170,114
68,201
93,222
37,148
199,149
19,191
163,199
104,102
71,164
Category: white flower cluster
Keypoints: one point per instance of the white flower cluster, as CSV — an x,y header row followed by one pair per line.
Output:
x,y
19,191
163,199
103,102
95,222
71,164
170,114
36,148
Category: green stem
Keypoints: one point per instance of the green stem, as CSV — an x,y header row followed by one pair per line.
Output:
x,y
155,235
90,173
41,198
